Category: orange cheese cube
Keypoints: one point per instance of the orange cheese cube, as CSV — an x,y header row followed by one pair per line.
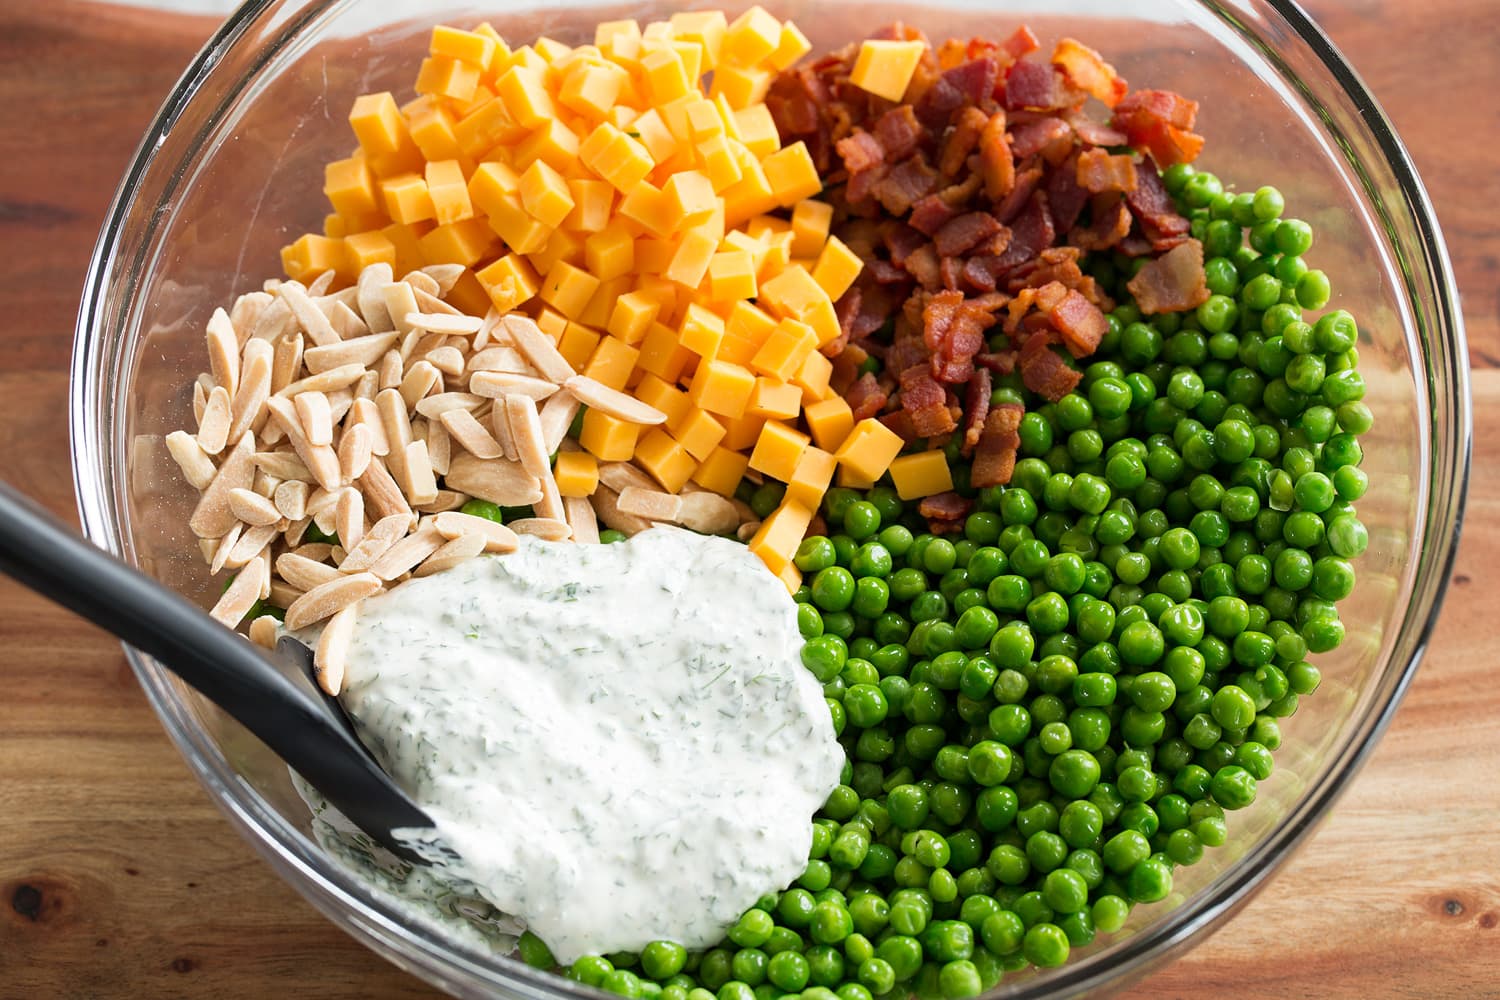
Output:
x,y
486,128
741,87
691,54
545,195
851,480
703,121
607,438
525,96
666,460
774,400
521,231
779,535
824,320
406,198
577,344
690,262
665,397
778,450
562,247
632,316
811,478
592,203
432,130
408,251
551,50
553,143
721,387
602,305
778,254
790,577
592,88
719,163
692,196
449,192
650,207
737,349
741,433
652,256
810,222
363,249
447,77
792,175
528,58
311,255
750,197
577,473
608,35
750,323
349,187
568,289
830,421
508,281
406,160
722,471
757,130
697,432
921,474
792,293
812,378
334,226
706,27
792,45
654,134
492,186
868,450
469,295
662,355
663,75
785,350
837,268
751,37
468,46
731,276
701,331
612,362
884,68
551,322
377,123
460,243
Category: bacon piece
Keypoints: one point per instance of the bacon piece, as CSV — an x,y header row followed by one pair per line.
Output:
x,y
996,161
1160,122
899,31
1095,133
976,408
1097,172
1038,86
901,240
1044,373
1151,202
1020,44
1110,225
945,507
860,152
886,273
907,351
953,329
1035,137
906,184
900,422
1030,234
924,265
1064,197
926,403
898,132
965,232
1080,322
975,79
995,453
865,397
1027,181
999,362
961,141
1173,282
1086,70
846,362
931,214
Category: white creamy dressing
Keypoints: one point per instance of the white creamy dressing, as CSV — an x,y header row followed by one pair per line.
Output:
x,y
619,740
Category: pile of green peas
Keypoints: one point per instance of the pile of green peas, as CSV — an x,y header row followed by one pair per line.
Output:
x,y
1050,711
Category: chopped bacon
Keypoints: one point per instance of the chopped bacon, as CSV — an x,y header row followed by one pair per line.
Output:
x,y
999,362
1046,374
1098,171
1064,197
901,240
962,140
860,152
906,184
1095,133
1020,44
965,232
1173,282
996,160
1151,202
926,402
945,507
924,265
976,78
900,422
865,397
931,214
950,270
886,273
1030,233
907,351
1110,225
976,408
1080,322
1086,70
995,454
1027,181
1038,86
953,329
898,132
846,362
899,31
1160,122
1035,137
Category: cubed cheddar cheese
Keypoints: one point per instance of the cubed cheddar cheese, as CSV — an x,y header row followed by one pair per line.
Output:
x,y
553,143
486,128
837,268
731,276
811,478
592,203
777,450
632,316
701,331
608,438
612,362
616,157
553,323
810,223
792,293
311,255
690,262
719,163
492,186
647,206
406,198
750,197
750,322
884,68
703,121
785,350
757,130
921,474
830,422
741,433
751,37
792,45
551,50
568,289
469,46
521,231
722,471
691,195
774,400
469,295
525,96
432,130
664,76
869,449
377,123
662,355
698,432
562,247
592,88
706,27
722,387
812,378
741,87
668,461
610,252
776,541
791,174
851,480
449,192
665,397
736,348
408,250
577,473
445,77
363,249
350,188
509,281
461,243
577,344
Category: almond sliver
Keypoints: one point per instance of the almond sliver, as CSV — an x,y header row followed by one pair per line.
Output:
x,y
330,598
598,396
444,323
497,537
197,468
223,351
363,351
450,554
497,385
332,655
651,504
581,519
252,508
309,316
497,480
213,429
538,348
546,528
303,573
470,434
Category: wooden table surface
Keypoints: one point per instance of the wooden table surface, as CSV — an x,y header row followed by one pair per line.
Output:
x,y
119,878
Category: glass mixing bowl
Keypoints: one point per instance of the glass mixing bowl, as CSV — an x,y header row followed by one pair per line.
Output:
x,y
232,169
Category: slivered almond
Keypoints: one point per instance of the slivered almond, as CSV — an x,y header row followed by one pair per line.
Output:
x,y
241,594
262,631
653,505
421,484
500,427
213,428
404,556
423,344
356,447
393,415
526,431
598,396
252,508
365,412
618,475
247,412
501,358
223,351
470,434
497,537
274,322
292,536
304,573
339,401
421,281
330,598
368,385
245,313
371,297
321,460
363,351
538,348
435,406
486,330
252,542
550,505
316,417
316,551
319,285
439,446
442,322
286,362
264,483
283,594
557,415
581,519
197,468
212,517
382,535
447,360
346,322
331,657
450,554
499,481
309,316
283,465
200,397
498,385
290,499
320,500
400,300
546,528
382,493
419,380
446,500
349,517
446,276
708,514
334,378
429,304
223,547
746,530
607,505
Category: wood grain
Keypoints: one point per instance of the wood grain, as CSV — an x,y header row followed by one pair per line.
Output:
x,y
118,877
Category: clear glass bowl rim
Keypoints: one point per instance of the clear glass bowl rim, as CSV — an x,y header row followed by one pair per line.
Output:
x,y
348,904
